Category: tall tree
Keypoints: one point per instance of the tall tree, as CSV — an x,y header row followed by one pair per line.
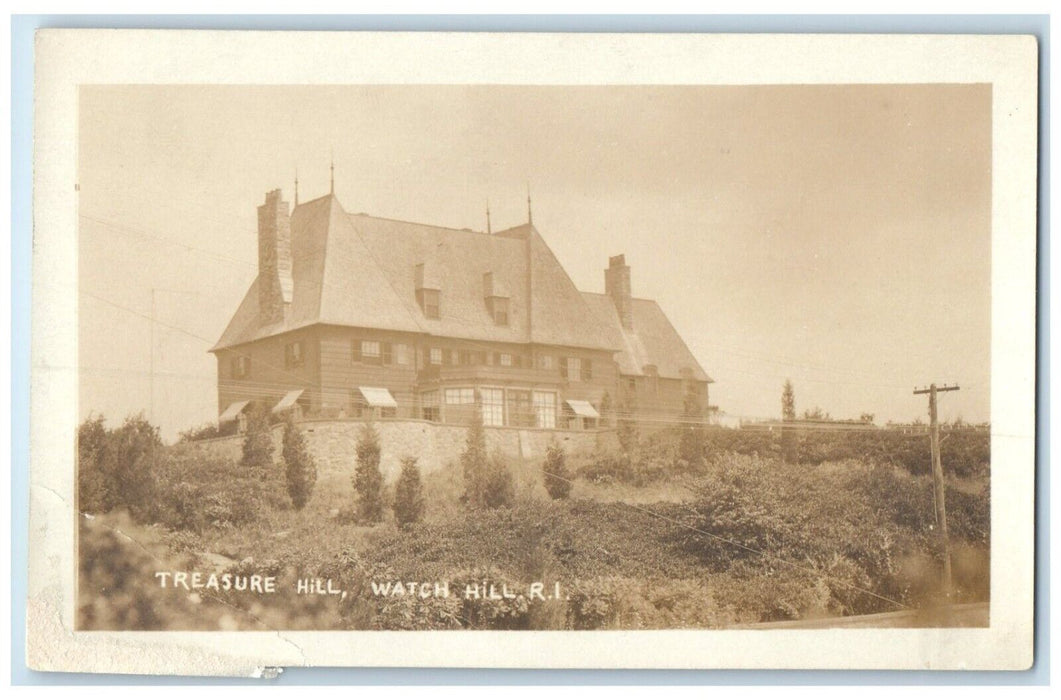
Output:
x,y
368,479
499,488
258,441
474,461
788,414
692,445
409,494
555,473
300,467
788,402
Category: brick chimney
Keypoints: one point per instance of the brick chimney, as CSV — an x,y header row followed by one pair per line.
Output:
x,y
275,283
617,286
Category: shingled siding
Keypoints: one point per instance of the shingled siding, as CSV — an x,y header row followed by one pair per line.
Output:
x,y
270,376
341,374
333,443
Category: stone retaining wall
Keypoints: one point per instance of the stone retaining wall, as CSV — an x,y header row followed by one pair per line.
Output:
x,y
333,443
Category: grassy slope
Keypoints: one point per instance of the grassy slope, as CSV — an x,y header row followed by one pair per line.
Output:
x,y
622,566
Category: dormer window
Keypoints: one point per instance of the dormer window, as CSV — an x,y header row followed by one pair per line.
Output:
x,y
428,299
428,290
498,307
496,296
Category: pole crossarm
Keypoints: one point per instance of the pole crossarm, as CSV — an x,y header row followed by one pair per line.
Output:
x,y
939,489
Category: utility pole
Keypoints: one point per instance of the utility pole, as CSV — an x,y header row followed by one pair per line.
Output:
x,y
937,480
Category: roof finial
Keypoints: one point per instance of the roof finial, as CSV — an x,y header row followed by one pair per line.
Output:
x,y
333,173
296,186
530,217
488,217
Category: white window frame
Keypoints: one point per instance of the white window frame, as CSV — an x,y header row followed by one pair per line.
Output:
x,y
464,396
366,352
493,413
544,403
431,399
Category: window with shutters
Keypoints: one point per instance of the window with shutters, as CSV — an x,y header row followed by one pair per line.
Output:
x,y
587,370
370,352
241,366
571,367
293,356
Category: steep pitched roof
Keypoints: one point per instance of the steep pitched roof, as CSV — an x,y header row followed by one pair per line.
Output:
x,y
652,340
359,270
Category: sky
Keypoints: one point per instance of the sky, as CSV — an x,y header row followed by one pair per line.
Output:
x,y
837,236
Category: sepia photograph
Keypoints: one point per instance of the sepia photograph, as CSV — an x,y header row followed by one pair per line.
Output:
x,y
450,356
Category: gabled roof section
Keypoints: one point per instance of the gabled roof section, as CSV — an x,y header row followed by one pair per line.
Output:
x,y
356,290
652,341
560,313
457,260
359,270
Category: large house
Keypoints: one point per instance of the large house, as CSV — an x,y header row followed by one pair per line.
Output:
x,y
359,316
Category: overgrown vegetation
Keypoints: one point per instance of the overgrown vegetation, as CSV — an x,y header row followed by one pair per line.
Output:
x,y
846,529
209,431
258,445
965,452
299,466
368,480
117,468
488,482
555,473
409,494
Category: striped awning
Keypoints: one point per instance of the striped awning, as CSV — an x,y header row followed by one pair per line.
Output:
x,y
377,396
582,408
233,410
288,401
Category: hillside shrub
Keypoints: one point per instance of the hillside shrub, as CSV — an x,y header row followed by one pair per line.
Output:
x,y
258,440
555,473
475,463
847,530
368,479
409,494
196,492
208,431
499,487
300,468
117,468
